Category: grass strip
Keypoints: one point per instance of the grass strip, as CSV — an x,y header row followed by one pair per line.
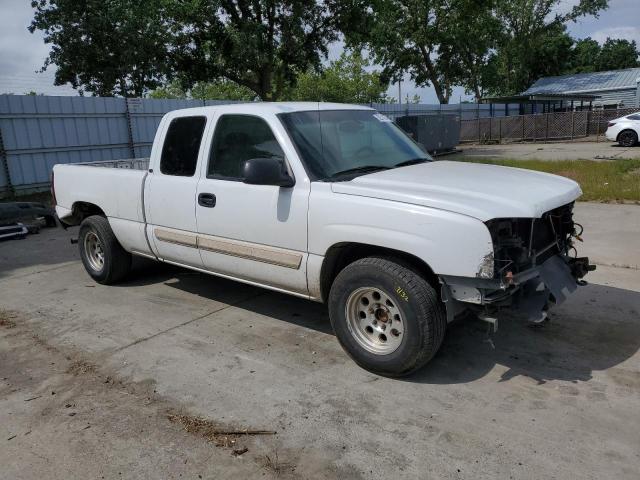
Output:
x,y
604,181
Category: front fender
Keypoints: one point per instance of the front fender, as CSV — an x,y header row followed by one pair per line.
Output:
x,y
450,243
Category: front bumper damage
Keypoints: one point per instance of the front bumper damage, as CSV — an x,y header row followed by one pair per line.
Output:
x,y
531,292
533,266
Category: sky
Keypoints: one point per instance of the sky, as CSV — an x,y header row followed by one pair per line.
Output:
x,y
22,53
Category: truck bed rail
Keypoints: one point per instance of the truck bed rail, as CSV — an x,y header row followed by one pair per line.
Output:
x,y
129,163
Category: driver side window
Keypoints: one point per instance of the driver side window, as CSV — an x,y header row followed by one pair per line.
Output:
x,y
239,138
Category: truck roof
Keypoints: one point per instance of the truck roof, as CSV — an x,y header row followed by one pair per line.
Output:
x,y
277,107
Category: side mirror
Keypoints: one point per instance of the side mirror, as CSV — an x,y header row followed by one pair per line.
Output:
x,y
267,171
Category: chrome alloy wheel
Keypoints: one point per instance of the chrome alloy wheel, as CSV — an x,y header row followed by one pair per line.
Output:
x,y
93,250
374,320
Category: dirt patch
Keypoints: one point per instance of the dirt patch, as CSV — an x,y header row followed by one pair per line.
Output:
x,y
7,318
98,410
219,435
82,367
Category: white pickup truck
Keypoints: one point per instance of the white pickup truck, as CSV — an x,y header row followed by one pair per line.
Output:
x,y
332,203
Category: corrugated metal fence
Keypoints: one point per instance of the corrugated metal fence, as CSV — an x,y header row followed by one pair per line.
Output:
x,y
36,132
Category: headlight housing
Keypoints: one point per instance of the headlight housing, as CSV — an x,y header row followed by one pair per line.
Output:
x,y
522,243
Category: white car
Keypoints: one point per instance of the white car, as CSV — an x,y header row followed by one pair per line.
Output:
x,y
332,203
624,130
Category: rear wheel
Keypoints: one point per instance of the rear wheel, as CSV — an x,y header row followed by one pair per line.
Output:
x,y
101,253
386,316
628,138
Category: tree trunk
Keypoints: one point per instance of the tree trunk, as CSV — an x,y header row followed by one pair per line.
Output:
x,y
477,92
264,85
441,92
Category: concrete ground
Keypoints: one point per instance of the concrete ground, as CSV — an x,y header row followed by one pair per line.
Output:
x,y
105,382
602,150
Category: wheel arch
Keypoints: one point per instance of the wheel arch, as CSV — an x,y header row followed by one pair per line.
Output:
x,y
81,210
339,255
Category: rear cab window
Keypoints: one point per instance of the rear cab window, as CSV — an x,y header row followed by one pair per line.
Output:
x,y
181,146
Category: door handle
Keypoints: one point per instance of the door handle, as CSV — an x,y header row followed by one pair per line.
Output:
x,y
207,200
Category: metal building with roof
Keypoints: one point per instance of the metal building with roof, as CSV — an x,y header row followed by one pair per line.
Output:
x,y
612,89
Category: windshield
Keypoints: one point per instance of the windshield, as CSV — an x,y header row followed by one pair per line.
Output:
x,y
342,144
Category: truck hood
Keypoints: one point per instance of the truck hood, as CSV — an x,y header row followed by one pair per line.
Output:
x,y
477,190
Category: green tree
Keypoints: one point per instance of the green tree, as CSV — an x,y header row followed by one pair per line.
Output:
x,y
345,80
585,55
387,99
473,48
533,41
217,90
413,36
497,47
617,54
222,90
614,54
115,47
173,90
259,44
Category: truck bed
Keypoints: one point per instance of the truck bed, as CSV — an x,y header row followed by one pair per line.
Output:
x,y
115,186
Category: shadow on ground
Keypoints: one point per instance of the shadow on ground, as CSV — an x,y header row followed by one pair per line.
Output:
x,y
596,329
44,250
279,306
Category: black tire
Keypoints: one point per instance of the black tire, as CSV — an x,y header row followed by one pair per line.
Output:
x,y
422,314
116,262
50,221
627,138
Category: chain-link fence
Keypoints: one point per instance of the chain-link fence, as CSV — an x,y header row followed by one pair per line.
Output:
x,y
465,111
600,119
544,126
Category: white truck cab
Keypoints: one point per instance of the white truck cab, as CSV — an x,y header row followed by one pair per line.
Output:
x,y
336,204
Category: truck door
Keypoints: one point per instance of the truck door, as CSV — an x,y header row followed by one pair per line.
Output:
x,y
254,232
170,192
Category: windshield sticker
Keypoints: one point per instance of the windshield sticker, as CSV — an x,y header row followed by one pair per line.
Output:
x,y
382,118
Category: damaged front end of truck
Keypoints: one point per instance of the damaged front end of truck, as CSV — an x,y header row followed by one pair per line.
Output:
x,y
534,266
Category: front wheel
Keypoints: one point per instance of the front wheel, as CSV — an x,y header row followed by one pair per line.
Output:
x,y
101,253
386,316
